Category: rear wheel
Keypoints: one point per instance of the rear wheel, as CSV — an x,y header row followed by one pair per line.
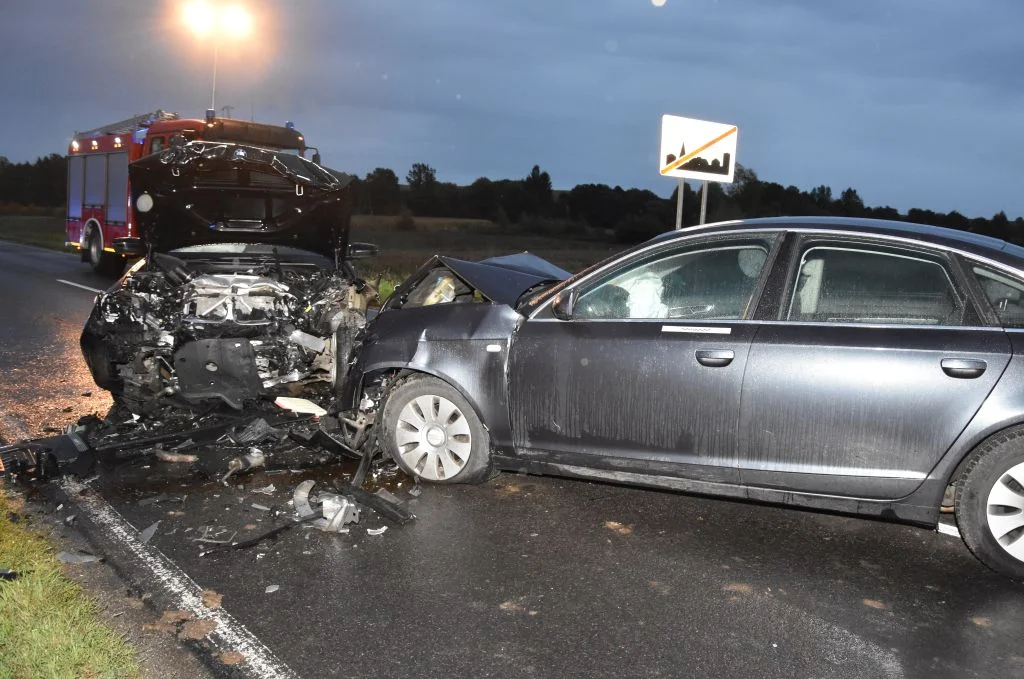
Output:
x,y
105,263
433,433
990,503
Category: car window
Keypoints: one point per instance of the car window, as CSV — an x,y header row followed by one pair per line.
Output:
x,y
846,285
1005,294
156,144
712,284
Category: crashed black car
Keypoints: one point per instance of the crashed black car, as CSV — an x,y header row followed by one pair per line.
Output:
x,y
859,366
247,288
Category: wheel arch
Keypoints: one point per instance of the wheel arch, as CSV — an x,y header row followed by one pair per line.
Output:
x,y
965,457
92,225
403,372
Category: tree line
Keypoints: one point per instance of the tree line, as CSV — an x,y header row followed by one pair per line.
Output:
x,y
587,210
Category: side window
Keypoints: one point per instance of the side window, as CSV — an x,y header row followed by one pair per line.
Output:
x,y
156,144
711,284
1005,294
848,285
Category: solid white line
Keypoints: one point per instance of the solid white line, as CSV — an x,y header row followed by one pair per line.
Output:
x,y
229,635
948,529
77,285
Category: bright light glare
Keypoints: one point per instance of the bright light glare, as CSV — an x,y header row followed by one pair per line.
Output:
x,y
203,18
199,17
236,20
658,3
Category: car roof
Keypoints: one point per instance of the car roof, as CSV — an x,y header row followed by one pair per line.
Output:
x,y
965,241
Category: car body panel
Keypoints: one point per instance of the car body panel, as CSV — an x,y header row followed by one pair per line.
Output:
x,y
218,192
823,415
837,408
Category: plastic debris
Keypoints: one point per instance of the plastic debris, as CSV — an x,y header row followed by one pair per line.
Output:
x,y
7,575
76,557
376,531
263,508
271,589
266,490
147,535
299,405
165,456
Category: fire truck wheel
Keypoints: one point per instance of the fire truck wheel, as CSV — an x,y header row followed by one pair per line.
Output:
x,y
105,263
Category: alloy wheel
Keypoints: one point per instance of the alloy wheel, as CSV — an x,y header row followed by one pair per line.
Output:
x,y
433,437
1005,510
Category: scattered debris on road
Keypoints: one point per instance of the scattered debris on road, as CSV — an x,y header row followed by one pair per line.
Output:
x,y
271,589
77,557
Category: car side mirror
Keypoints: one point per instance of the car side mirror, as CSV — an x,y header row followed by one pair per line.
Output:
x,y
316,158
563,305
362,251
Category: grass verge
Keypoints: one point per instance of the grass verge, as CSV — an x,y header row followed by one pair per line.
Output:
x,y
44,232
49,627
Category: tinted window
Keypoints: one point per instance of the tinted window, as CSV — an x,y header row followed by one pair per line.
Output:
x,y
712,284
1005,294
861,286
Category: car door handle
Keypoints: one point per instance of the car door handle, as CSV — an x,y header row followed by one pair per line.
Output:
x,y
963,368
715,358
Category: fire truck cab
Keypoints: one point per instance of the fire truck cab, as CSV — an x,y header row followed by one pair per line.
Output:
x,y
100,218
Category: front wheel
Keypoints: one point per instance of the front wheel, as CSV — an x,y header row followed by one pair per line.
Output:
x,y
990,503
433,433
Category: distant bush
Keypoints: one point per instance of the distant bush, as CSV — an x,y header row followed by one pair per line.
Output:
x,y
405,221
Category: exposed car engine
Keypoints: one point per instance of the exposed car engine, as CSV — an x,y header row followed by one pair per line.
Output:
x,y
194,332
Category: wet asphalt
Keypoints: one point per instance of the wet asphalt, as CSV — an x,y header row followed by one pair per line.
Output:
x,y
527,576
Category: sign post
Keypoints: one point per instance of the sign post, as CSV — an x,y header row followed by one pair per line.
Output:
x,y
679,204
696,149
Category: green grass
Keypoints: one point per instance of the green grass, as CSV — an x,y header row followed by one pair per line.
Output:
x,y
49,627
44,232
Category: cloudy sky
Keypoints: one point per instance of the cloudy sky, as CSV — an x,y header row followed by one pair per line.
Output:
x,y
916,103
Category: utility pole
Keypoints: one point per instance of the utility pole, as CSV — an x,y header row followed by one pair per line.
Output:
x,y
227,110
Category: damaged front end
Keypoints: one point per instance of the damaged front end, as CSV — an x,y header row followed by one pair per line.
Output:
x,y
256,296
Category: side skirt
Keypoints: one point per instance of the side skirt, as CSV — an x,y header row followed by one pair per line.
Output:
x,y
901,511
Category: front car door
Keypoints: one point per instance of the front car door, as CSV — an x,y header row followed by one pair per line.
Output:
x,y
647,373
877,359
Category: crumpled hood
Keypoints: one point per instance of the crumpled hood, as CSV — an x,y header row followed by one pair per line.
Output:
x,y
214,192
505,279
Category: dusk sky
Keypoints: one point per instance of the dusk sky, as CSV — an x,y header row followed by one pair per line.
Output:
x,y
915,103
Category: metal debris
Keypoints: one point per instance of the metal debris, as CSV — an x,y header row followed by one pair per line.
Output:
x,y
266,490
253,459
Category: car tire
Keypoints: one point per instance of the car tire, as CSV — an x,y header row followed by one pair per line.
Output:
x,y
990,503
432,432
103,263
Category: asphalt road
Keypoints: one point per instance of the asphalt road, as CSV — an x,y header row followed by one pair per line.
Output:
x,y
525,576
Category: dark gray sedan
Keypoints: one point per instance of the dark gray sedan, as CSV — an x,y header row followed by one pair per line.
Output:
x,y
856,366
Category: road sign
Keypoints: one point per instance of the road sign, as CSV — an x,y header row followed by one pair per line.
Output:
x,y
697,149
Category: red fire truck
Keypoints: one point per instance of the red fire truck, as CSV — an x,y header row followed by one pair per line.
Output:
x,y
100,218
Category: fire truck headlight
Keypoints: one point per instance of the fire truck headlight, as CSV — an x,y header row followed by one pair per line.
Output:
x,y
74,145
144,203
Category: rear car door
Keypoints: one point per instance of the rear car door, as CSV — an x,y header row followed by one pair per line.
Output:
x,y
876,361
647,373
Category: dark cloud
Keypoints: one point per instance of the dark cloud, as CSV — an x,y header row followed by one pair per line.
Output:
x,y
914,103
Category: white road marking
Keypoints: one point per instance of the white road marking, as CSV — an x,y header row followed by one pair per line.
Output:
x,y
948,529
229,635
78,285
